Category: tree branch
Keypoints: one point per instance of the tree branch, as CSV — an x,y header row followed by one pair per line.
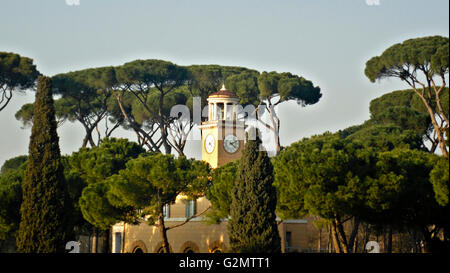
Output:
x,y
189,219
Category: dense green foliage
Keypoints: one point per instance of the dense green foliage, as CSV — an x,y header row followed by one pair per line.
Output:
x,y
85,172
252,227
421,63
11,177
313,175
98,163
152,181
275,88
401,195
429,53
206,79
403,108
17,73
157,79
13,164
400,189
87,98
385,137
139,96
42,226
365,173
382,172
287,86
93,166
219,192
323,176
440,180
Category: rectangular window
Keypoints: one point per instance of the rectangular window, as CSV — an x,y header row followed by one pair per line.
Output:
x,y
166,211
117,242
190,208
288,239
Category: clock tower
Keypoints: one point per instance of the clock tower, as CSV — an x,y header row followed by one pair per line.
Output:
x,y
222,135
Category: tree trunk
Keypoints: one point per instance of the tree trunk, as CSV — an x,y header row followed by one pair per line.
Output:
x,y
334,235
319,240
94,241
143,137
366,228
164,139
354,233
105,241
439,132
329,238
343,238
355,245
389,240
162,126
275,126
436,127
437,92
87,139
7,97
88,136
163,233
427,241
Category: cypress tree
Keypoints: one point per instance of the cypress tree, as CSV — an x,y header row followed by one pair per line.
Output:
x,y
252,227
41,227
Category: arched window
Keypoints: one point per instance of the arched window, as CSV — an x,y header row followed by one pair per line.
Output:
x,y
189,247
188,250
160,250
138,250
216,247
138,247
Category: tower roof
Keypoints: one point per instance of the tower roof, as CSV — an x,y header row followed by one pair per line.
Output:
x,y
223,93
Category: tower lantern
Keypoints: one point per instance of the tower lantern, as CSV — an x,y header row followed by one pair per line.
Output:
x,y
222,134
222,105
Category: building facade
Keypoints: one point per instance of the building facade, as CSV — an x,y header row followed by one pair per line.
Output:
x,y
222,141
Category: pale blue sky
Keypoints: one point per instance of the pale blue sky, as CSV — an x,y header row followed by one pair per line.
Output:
x,y
325,41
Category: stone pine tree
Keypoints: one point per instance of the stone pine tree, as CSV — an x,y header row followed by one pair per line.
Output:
x,y
252,227
42,228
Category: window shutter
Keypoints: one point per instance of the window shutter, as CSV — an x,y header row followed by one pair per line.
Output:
x,y
192,207
187,208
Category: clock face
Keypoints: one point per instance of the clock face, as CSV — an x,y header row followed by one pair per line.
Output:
x,y
210,142
231,143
